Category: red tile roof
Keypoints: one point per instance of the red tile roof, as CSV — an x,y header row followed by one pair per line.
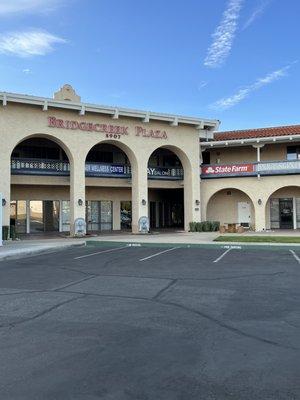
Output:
x,y
256,133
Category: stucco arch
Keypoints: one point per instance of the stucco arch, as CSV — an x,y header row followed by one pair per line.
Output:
x,y
222,205
48,136
287,191
191,181
124,147
180,153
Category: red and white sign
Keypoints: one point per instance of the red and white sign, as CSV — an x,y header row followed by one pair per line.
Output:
x,y
233,169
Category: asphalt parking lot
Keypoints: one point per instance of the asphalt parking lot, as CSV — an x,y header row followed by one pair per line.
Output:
x,y
147,323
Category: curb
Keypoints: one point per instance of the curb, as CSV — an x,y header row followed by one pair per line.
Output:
x,y
32,252
216,245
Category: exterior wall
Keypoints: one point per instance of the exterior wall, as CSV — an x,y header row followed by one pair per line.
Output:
x,y
223,201
258,189
228,155
19,121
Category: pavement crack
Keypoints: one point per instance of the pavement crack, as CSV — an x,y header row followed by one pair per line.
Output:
x,y
41,314
227,326
166,288
60,288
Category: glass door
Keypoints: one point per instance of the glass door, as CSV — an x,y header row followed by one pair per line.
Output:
x,y
106,215
93,215
36,216
286,213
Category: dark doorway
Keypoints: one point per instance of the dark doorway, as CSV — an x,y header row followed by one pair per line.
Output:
x,y
286,213
166,208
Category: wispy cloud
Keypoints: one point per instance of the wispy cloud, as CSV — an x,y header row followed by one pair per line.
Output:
x,y
241,94
258,11
26,71
29,43
8,7
224,35
202,85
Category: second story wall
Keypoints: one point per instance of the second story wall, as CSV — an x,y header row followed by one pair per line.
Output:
x,y
228,155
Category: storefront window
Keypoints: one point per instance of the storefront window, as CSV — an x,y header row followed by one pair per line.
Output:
x,y
99,215
126,214
298,212
65,216
274,214
18,215
293,153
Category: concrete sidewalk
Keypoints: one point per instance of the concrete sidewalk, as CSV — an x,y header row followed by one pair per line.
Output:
x,y
19,249
23,248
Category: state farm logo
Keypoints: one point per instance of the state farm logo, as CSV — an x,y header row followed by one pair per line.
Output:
x,y
209,170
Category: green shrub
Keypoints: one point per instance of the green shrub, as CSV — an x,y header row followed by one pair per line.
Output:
x,y
193,226
215,226
13,232
5,232
205,226
199,227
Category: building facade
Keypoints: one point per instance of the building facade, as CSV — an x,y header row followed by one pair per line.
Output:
x,y
252,177
62,160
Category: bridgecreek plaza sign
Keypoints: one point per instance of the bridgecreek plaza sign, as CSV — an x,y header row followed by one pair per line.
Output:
x,y
111,131
251,169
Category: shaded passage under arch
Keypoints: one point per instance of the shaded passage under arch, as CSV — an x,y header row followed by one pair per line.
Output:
x,y
231,206
283,208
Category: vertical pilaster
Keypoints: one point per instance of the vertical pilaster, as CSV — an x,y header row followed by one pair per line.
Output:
x,y
192,210
139,192
260,215
5,179
77,192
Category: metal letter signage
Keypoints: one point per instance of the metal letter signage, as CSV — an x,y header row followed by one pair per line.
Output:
x,y
111,131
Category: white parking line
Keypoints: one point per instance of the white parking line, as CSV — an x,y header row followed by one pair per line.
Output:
x,y
100,252
157,254
295,256
222,255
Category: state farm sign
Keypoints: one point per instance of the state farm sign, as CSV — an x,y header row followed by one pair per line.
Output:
x,y
229,169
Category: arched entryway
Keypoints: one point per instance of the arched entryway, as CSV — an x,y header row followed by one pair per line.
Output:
x,y
231,206
40,186
283,208
109,206
165,190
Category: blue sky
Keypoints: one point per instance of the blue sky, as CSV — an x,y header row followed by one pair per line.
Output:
x,y
234,60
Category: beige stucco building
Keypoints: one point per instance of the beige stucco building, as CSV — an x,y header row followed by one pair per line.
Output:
x,y
62,160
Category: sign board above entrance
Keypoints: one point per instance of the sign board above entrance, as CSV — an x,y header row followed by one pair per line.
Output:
x,y
228,169
112,131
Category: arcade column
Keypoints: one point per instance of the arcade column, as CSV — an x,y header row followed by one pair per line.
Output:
x,y
77,191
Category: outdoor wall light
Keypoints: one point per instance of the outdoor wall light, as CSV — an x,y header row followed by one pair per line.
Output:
x,y
259,202
80,202
144,202
3,202
197,202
